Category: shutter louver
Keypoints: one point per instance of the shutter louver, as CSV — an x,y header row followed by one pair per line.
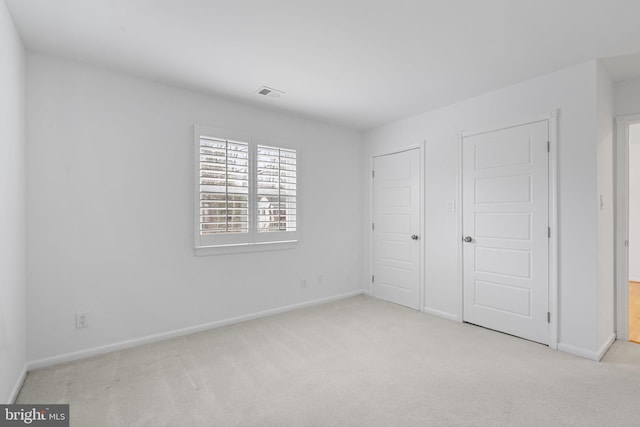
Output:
x,y
224,186
276,189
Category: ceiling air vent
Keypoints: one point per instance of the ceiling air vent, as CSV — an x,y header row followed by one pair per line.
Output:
x,y
270,92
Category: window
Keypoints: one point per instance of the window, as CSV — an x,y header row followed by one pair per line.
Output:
x,y
246,192
224,186
276,189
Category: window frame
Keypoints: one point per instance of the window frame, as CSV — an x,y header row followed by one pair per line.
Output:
x,y
252,241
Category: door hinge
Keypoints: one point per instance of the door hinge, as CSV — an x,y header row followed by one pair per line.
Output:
x,y
626,243
373,278
373,174
548,146
548,317
373,226
549,232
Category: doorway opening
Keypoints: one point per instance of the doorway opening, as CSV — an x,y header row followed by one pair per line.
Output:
x,y
634,232
628,229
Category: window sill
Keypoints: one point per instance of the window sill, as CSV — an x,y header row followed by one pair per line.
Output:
x,y
245,248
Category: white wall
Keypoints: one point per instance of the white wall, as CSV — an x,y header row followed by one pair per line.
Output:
x,y
605,207
12,209
626,97
634,202
573,91
110,190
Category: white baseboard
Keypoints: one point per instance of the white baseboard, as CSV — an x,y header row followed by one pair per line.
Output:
x,y
68,357
588,354
605,347
439,313
578,351
634,279
16,389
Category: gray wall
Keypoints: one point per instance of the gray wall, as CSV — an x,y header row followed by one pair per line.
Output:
x,y
12,208
110,212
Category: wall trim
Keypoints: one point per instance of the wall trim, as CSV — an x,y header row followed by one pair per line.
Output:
x,y
553,114
588,354
438,313
16,388
554,223
459,221
606,346
94,351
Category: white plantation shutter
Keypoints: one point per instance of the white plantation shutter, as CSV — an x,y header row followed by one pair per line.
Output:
x,y
223,189
276,189
246,194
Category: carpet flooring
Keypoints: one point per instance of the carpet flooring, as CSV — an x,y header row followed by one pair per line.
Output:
x,y
354,362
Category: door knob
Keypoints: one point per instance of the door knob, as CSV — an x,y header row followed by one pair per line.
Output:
x,y
467,239
414,237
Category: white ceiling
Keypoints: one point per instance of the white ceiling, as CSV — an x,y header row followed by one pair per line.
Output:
x,y
356,63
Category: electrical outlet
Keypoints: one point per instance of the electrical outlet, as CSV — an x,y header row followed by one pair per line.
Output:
x,y
320,280
303,283
82,320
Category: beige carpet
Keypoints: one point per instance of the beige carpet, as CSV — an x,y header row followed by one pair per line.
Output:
x,y
356,362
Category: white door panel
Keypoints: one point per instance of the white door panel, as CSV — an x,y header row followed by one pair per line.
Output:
x,y
502,297
505,213
503,152
515,226
396,216
503,189
503,262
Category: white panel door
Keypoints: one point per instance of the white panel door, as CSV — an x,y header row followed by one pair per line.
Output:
x,y
396,228
505,229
